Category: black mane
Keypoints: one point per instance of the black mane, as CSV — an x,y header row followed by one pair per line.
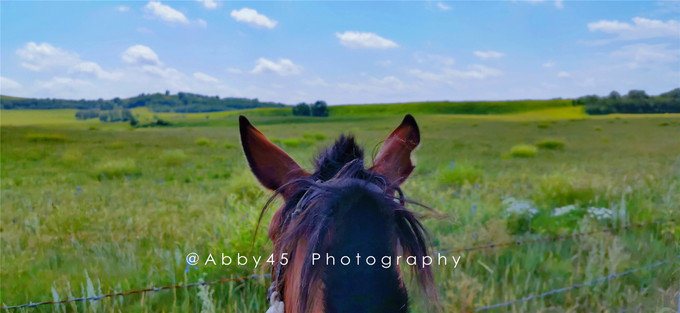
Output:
x,y
330,161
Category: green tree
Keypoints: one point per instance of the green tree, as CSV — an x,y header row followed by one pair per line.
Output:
x,y
320,108
614,95
302,109
637,95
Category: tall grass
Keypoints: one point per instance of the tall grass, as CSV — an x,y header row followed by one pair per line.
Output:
x,y
67,232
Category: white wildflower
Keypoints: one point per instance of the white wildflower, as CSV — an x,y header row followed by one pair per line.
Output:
x,y
600,213
564,210
519,207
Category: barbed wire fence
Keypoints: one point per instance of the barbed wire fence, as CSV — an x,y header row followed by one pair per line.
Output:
x,y
576,286
553,238
138,291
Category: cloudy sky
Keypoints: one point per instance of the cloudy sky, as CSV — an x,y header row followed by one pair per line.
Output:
x,y
341,52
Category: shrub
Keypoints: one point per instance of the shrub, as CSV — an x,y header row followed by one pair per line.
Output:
x,y
117,168
202,141
40,137
160,122
173,157
458,174
116,145
543,125
293,142
317,136
562,189
523,151
72,155
550,144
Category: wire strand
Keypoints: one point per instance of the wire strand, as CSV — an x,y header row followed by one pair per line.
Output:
x,y
572,287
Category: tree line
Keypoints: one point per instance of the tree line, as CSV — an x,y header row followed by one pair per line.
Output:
x,y
635,101
182,102
108,116
319,108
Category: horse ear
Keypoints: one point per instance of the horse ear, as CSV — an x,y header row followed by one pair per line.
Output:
x,y
394,159
271,165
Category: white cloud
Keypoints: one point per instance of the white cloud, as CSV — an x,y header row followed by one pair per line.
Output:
x,y
435,59
669,6
202,23
162,72
384,63
558,3
364,40
251,17
39,57
165,12
490,54
388,81
475,71
642,28
385,85
563,74
122,8
144,30
316,82
209,4
139,54
588,82
205,78
283,67
646,55
8,84
443,6
64,86
93,68
424,75
548,64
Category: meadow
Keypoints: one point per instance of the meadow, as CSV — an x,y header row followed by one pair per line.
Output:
x,y
91,208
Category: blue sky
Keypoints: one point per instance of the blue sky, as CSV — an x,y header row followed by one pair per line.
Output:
x,y
339,51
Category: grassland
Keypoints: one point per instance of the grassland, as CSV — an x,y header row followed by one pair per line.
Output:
x,y
90,207
345,112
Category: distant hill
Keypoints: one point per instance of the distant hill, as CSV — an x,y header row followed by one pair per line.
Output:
x,y
181,103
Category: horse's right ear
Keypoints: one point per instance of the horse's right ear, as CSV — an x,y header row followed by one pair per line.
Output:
x,y
271,165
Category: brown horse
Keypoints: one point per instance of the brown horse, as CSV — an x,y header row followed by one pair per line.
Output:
x,y
341,212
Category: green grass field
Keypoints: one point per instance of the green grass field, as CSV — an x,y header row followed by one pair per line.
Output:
x,y
91,208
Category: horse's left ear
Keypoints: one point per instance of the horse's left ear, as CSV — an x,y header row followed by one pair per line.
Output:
x,y
271,165
394,159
